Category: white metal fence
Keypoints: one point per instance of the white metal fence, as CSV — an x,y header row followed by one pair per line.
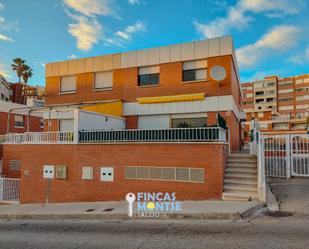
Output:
x,y
285,155
38,137
9,189
209,134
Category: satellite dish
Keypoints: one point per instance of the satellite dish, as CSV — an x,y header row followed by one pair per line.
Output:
x,y
218,73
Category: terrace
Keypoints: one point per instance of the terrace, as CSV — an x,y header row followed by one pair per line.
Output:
x,y
203,134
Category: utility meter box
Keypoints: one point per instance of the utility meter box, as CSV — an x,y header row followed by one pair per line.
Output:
x,y
107,174
61,171
87,173
49,171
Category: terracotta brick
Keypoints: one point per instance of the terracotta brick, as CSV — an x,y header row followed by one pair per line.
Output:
x,y
211,157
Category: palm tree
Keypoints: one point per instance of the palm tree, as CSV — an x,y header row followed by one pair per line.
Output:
x,y
26,75
19,67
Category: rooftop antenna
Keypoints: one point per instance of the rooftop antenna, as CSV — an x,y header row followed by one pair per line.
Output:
x,y
218,73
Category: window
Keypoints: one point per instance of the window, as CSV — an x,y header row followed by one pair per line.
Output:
x,y
286,91
285,83
19,121
194,70
15,164
281,126
68,84
165,174
189,122
66,125
103,80
148,76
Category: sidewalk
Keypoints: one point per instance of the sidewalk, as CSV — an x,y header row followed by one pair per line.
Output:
x,y
228,210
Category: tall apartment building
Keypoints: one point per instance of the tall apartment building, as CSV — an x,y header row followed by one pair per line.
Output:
x,y
5,91
279,104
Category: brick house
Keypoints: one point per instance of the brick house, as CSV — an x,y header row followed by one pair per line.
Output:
x,y
170,99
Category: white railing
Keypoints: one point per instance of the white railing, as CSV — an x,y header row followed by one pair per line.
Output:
x,y
205,134
9,189
61,137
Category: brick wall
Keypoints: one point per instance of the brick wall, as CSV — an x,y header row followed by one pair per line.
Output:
x,y
211,157
34,124
125,84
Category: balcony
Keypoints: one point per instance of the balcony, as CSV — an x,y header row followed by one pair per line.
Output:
x,y
204,134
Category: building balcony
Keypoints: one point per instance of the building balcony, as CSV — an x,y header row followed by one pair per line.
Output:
x,y
178,135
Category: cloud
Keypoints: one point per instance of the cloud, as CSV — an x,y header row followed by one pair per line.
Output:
x,y
236,18
238,15
5,38
301,58
72,56
272,41
273,8
127,33
133,2
1,7
91,7
87,31
4,71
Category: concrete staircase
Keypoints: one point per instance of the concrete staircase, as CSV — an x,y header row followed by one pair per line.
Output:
x,y
240,180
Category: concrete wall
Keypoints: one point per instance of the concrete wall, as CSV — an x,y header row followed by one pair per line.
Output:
x,y
210,157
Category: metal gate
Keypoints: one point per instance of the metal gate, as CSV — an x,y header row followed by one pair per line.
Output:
x,y
9,189
300,155
285,155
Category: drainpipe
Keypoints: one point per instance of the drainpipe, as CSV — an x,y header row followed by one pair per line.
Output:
x,y
8,121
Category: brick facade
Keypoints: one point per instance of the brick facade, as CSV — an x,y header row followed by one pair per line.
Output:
x,y
35,124
211,157
125,84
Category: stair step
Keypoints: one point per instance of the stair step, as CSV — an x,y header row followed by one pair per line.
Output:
x,y
235,196
240,188
241,170
241,160
242,155
240,175
238,165
250,182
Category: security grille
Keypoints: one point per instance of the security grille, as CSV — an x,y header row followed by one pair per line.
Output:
x,y
164,173
15,164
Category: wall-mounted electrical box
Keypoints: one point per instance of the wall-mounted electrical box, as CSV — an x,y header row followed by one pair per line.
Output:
x,y
87,173
49,171
61,172
107,174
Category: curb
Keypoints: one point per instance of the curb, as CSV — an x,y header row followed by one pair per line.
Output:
x,y
271,199
182,216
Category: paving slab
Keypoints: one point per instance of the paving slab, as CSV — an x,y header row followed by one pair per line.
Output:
x,y
119,210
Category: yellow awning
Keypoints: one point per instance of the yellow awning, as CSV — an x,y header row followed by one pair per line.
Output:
x,y
171,98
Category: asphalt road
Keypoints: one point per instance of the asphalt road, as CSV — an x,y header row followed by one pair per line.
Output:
x,y
264,232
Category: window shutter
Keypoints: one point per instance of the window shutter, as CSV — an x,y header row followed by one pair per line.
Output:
x,y
148,70
68,84
189,65
200,74
19,118
103,80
